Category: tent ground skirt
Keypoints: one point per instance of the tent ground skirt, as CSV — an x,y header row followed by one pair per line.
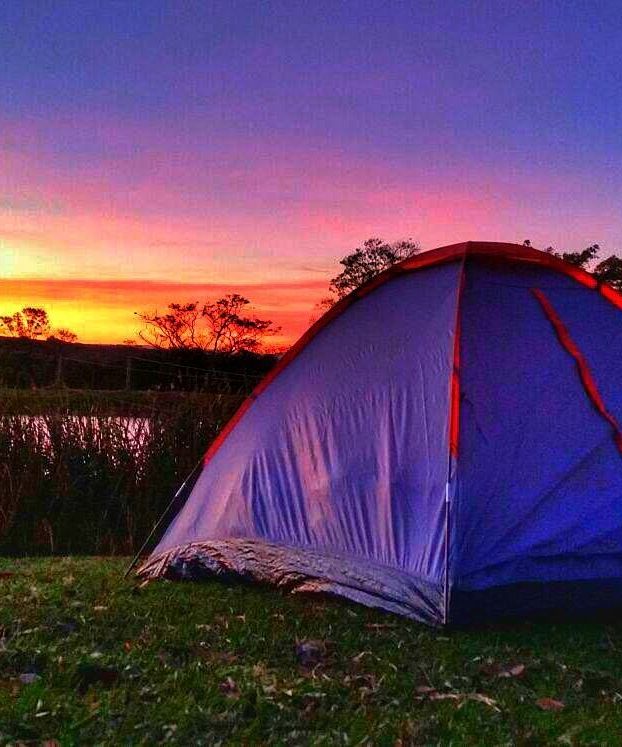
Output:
x,y
305,570
302,570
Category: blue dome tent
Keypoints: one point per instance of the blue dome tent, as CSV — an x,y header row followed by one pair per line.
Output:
x,y
444,443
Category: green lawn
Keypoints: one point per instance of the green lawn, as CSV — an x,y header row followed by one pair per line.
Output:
x,y
87,658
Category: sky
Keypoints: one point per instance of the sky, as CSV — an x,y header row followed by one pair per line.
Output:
x,y
176,150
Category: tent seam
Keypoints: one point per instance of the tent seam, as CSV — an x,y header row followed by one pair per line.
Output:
x,y
585,375
454,427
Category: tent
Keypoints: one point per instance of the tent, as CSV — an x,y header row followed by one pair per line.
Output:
x,y
444,443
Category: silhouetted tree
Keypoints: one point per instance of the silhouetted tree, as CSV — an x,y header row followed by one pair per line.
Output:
x,y
66,335
363,264
369,260
31,322
218,326
607,270
231,331
580,259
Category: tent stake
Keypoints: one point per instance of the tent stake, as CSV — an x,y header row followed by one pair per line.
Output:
x,y
158,523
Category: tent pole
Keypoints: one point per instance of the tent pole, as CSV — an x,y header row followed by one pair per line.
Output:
x,y
159,522
446,578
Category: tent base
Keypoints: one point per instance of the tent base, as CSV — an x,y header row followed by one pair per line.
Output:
x,y
302,570
531,600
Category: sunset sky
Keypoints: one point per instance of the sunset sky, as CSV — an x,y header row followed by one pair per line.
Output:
x,y
155,151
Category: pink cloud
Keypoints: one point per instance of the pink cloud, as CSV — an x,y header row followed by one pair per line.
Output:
x,y
161,214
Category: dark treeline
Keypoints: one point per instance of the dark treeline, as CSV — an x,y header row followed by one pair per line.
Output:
x,y
35,364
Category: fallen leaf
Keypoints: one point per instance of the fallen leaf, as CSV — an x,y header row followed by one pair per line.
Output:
x,y
67,627
516,671
208,654
27,678
424,689
310,653
12,687
357,659
444,696
91,674
6,575
492,668
229,688
485,699
429,693
550,704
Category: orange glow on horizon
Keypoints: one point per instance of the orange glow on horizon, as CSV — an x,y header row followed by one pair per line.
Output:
x,y
135,218
103,311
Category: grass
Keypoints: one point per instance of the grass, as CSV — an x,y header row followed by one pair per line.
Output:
x,y
87,658
90,472
110,402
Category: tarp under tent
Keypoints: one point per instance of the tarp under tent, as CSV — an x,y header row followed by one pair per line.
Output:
x,y
444,443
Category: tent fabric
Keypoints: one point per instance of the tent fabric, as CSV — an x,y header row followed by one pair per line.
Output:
x,y
584,370
432,447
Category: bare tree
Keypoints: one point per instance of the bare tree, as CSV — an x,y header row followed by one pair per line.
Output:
x,y
218,326
174,330
232,331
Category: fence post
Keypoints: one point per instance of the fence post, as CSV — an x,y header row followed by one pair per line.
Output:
x,y
58,381
128,374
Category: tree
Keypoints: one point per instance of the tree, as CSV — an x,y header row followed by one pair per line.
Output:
x,y
366,262
220,326
607,270
66,335
175,330
361,265
578,259
31,322
230,330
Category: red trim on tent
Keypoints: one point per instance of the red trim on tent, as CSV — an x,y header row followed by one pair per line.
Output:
x,y
452,253
584,371
454,422
454,401
611,294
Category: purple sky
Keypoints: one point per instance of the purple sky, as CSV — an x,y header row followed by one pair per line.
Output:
x,y
257,142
